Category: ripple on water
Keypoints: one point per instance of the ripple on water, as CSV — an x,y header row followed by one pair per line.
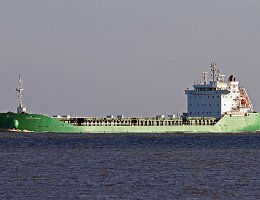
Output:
x,y
129,166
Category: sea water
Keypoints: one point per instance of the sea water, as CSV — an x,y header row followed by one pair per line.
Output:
x,y
129,166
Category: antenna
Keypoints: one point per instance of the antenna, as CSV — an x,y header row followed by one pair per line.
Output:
x,y
213,70
205,77
20,89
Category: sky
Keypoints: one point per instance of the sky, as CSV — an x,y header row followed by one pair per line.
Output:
x,y
121,57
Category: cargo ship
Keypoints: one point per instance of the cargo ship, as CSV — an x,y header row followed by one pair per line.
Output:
x,y
214,106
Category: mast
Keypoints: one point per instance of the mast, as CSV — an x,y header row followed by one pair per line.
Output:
x,y
214,71
20,89
205,77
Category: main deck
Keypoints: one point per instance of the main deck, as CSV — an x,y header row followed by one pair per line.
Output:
x,y
136,121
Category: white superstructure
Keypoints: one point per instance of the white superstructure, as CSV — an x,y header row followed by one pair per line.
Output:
x,y
217,97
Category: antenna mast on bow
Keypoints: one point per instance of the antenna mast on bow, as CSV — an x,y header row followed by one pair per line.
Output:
x,y
20,89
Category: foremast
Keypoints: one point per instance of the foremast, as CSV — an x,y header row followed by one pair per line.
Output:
x,y
20,108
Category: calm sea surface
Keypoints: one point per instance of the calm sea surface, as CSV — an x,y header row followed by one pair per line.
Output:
x,y
129,166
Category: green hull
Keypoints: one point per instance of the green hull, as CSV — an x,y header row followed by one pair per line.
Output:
x,y
42,123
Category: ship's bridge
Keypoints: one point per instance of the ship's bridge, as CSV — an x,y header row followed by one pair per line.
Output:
x,y
217,97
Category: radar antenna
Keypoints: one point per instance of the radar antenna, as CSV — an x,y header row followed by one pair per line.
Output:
x,y
20,89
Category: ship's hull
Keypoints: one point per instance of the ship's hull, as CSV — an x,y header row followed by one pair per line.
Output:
x,y
42,123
